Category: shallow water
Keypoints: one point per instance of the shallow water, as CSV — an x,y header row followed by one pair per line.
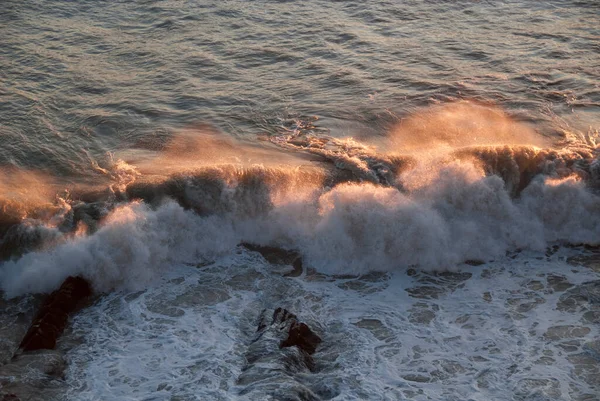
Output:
x,y
434,164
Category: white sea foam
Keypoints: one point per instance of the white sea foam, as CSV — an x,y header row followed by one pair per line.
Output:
x,y
444,216
493,336
456,195
133,244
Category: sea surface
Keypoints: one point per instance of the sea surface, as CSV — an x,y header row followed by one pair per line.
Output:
x,y
434,164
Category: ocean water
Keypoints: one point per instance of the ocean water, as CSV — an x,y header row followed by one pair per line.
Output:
x,y
435,164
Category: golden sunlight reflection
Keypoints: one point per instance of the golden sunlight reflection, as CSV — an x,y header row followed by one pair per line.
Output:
x,y
23,191
193,149
457,125
572,179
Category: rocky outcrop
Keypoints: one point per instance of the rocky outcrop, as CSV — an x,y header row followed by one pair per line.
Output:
x,y
278,256
277,358
28,373
299,334
51,319
293,332
34,376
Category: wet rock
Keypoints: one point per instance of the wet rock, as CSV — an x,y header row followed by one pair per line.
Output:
x,y
278,256
15,318
453,277
301,336
49,363
425,292
552,250
293,333
52,317
34,376
20,239
280,351
417,378
591,261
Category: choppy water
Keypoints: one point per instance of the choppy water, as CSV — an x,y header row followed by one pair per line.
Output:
x,y
141,142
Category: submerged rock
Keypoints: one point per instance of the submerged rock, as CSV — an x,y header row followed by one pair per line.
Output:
x,y
34,376
52,317
278,256
588,260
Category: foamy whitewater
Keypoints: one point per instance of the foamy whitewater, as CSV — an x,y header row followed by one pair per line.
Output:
x,y
182,298
435,166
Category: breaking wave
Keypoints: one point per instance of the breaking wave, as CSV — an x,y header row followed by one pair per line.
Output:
x,y
347,206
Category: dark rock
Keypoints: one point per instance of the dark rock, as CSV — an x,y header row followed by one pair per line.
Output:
x,y
278,256
453,277
591,261
298,333
10,397
474,262
297,265
278,359
302,337
425,292
51,319
281,315
552,250
20,239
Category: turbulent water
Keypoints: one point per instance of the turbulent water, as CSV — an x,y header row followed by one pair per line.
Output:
x,y
435,164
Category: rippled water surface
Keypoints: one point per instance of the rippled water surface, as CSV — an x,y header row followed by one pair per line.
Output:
x,y
80,79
